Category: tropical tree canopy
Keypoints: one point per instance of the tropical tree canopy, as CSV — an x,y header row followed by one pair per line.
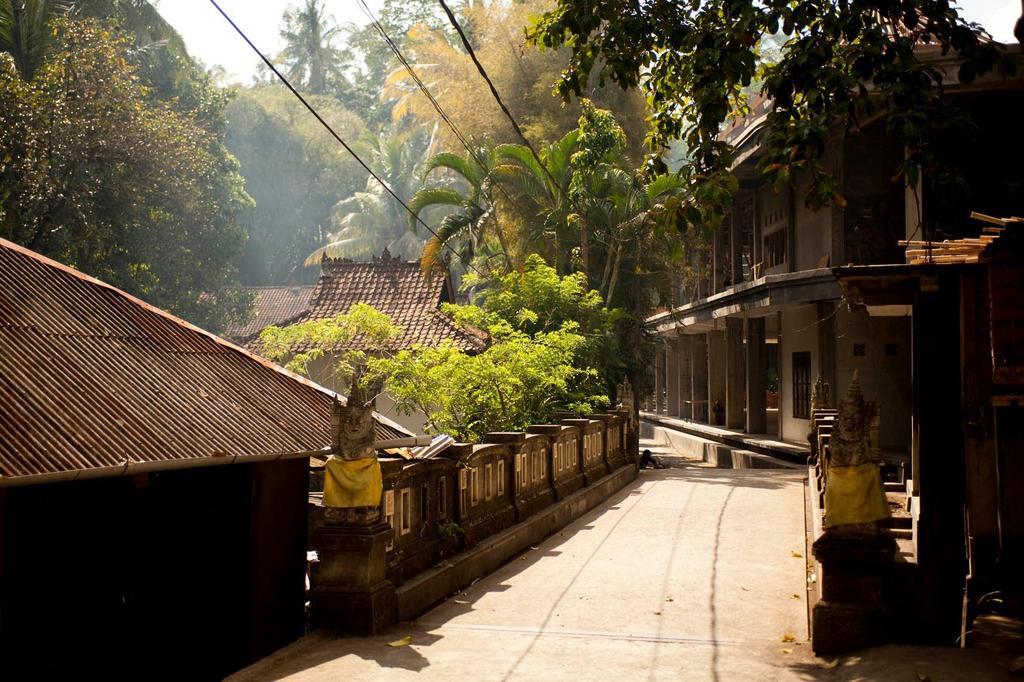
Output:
x,y
100,174
838,62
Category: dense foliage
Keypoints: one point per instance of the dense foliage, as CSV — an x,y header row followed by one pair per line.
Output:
x,y
100,173
840,63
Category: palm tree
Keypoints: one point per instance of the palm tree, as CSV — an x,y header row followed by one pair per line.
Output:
x,y
370,220
309,54
25,31
470,216
543,190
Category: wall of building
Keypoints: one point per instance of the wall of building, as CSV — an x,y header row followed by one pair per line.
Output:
x,y
773,217
320,372
799,334
175,573
813,230
878,348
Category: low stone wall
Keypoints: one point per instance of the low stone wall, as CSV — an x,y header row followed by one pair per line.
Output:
x,y
478,502
419,594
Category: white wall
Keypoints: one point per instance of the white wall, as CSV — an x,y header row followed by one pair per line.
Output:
x,y
884,378
813,230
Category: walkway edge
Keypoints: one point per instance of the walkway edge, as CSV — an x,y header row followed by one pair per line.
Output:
x,y
419,594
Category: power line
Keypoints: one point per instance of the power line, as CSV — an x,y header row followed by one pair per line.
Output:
x,y
433,101
494,92
338,137
419,83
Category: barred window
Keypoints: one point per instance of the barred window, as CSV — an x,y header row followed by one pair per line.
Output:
x,y
802,385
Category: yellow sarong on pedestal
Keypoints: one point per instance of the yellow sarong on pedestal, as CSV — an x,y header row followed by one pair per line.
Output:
x,y
854,495
352,483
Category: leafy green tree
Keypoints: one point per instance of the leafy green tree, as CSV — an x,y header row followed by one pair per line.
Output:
x,y
25,31
370,220
300,346
296,174
98,173
840,63
520,379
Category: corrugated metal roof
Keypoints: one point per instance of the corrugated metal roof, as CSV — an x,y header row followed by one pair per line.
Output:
x,y
271,306
398,288
92,378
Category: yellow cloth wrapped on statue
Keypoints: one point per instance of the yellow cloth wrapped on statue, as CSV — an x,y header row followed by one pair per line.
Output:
x,y
352,483
854,495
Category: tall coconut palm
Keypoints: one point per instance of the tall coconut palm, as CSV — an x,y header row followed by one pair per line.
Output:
x,y
370,220
469,215
309,54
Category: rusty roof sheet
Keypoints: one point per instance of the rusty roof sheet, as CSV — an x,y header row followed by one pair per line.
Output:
x,y
92,378
271,306
398,288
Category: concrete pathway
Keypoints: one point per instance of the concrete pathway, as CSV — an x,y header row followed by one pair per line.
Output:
x,y
690,573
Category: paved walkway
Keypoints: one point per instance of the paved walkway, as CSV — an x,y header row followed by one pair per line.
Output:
x,y
690,573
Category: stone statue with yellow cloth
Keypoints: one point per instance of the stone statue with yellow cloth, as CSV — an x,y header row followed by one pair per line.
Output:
x,y
352,477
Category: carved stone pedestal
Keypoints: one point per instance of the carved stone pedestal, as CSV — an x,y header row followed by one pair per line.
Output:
x,y
851,613
351,593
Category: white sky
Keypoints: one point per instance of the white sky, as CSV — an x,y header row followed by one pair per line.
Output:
x,y
213,41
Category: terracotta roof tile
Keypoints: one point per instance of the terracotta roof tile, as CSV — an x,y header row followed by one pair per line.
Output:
x,y
93,380
271,306
395,287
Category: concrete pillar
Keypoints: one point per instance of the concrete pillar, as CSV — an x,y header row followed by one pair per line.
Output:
x,y
757,368
672,378
684,345
734,373
735,247
659,378
699,362
716,374
827,345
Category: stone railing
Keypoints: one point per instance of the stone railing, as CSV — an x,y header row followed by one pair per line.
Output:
x,y
435,508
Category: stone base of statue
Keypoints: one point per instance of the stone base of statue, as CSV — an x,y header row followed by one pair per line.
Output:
x,y
854,566
350,593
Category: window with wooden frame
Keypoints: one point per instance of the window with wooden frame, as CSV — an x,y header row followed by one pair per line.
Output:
x,y
464,487
389,516
442,497
775,249
802,385
406,510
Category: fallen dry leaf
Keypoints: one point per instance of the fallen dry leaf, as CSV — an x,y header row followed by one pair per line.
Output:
x,y
788,637
796,596
402,642
657,613
830,665
797,555
461,601
787,651
669,599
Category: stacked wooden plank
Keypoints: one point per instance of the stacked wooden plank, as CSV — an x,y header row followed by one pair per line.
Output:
x,y
967,250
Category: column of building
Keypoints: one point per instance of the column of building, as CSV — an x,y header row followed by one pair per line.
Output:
x,y
685,345
717,353
735,379
672,377
699,362
757,369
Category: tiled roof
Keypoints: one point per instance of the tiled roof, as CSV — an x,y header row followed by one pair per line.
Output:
x,y
271,306
398,288
94,381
